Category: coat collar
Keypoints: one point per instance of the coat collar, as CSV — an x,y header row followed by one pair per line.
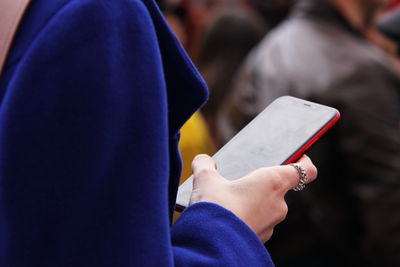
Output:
x,y
186,89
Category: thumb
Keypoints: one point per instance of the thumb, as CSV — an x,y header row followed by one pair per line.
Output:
x,y
203,163
205,179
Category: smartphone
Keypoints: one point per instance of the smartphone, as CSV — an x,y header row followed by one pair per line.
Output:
x,y
279,135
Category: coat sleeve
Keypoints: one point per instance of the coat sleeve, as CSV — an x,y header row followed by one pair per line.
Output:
x,y
84,152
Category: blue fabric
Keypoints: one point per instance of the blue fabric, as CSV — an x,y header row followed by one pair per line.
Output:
x,y
92,98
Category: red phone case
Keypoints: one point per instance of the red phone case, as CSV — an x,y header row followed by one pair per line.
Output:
x,y
314,139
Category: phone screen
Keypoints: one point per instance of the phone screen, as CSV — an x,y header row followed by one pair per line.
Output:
x,y
278,133
272,137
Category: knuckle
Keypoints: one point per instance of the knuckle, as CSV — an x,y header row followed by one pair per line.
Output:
x,y
283,211
277,183
204,173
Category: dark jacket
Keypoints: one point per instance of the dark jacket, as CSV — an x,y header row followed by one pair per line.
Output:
x,y
317,55
91,101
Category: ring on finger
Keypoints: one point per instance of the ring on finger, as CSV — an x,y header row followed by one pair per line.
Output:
x,y
303,176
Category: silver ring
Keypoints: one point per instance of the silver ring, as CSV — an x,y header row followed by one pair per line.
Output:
x,y
303,177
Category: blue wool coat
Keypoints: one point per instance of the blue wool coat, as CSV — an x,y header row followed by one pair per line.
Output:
x,y
92,98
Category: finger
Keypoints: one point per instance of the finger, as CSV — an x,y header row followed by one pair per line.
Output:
x,y
310,168
292,176
203,163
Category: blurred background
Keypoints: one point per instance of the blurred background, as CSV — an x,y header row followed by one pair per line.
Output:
x,y
343,53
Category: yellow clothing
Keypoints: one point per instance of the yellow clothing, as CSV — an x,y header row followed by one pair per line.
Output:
x,y
195,140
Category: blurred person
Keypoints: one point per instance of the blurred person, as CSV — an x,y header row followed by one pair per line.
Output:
x,y
320,53
226,41
90,114
199,12
175,14
234,27
273,11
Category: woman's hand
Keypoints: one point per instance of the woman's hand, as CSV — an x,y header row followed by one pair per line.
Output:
x,y
257,198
